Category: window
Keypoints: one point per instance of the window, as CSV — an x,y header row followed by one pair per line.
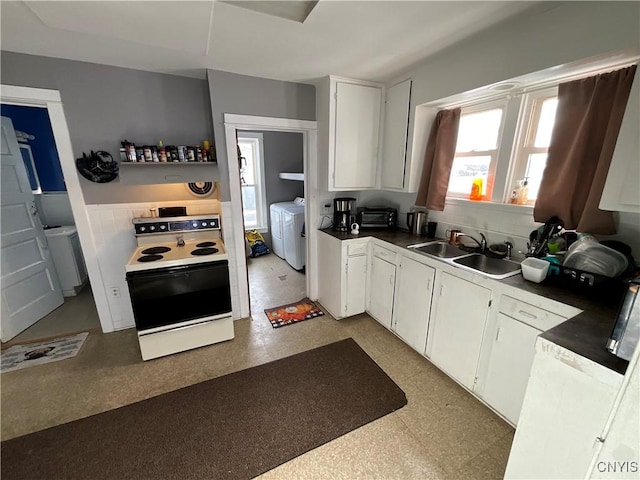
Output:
x,y
532,144
476,150
502,142
505,129
254,205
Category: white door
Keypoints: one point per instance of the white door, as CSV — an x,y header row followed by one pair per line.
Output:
x,y
30,288
459,324
412,304
509,367
356,285
357,125
383,278
394,146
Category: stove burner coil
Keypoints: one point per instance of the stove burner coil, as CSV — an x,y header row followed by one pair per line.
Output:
x,y
206,244
150,258
205,251
155,250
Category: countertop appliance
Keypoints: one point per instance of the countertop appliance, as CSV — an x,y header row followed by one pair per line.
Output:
x,y
287,227
178,280
626,331
377,217
344,210
416,221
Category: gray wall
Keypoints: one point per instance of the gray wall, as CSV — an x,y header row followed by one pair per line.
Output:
x,y
244,95
282,153
104,105
559,33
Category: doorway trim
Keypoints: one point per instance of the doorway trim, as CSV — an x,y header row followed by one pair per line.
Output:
x,y
308,128
51,100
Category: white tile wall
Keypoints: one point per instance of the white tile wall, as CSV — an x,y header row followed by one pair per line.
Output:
x,y
115,242
497,222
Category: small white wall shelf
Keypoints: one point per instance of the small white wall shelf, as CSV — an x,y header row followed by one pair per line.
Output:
x,y
147,173
292,176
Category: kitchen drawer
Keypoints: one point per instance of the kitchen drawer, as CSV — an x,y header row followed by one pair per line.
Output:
x,y
533,316
359,248
384,254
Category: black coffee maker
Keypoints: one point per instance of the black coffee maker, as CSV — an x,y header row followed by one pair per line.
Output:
x,y
344,211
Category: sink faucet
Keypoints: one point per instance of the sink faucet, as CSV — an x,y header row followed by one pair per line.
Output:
x,y
509,249
482,244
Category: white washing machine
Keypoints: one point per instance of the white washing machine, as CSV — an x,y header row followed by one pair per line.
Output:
x,y
287,230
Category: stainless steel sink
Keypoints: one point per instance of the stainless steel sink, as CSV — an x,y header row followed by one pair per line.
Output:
x,y
493,267
439,249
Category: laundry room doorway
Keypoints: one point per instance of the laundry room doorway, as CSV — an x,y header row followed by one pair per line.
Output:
x,y
273,207
270,184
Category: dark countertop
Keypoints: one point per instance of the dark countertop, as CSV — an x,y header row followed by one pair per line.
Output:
x,y
586,334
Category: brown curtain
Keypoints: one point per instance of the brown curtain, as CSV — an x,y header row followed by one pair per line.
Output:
x,y
584,136
438,159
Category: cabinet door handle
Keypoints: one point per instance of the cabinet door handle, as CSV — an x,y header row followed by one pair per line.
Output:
x,y
498,334
390,279
526,314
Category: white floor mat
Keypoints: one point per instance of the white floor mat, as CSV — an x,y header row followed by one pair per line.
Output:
x,y
22,356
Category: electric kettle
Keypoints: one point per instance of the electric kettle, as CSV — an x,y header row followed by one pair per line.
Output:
x,y
416,222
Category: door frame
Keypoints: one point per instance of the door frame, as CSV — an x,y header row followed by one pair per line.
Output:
x,y
51,100
308,128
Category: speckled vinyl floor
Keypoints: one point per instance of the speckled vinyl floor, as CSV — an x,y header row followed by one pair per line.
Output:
x,y
443,432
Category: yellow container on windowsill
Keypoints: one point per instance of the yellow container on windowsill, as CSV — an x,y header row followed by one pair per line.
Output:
x,y
476,189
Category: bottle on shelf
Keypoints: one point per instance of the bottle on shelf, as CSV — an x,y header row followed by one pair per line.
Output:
x,y
206,149
162,152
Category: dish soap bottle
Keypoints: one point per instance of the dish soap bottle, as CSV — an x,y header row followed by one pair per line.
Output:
x,y
476,189
515,193
523,197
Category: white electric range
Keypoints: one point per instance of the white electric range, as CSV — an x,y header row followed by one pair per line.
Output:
x,y
178,280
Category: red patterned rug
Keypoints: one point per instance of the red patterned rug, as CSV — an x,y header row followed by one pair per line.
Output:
x,y
293,312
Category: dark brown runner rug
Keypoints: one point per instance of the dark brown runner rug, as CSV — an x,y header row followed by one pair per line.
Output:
x,y
236,426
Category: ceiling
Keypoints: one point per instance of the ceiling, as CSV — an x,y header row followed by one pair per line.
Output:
x,y
369,40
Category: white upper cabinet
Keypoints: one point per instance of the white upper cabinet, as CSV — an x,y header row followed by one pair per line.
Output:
x,y
393,171
354,128
621,188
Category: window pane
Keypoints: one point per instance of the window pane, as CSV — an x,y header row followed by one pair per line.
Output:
x,y
249,206
535,167
465,169
479,131
545,124
247,168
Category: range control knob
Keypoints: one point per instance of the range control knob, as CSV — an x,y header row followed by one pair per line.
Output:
x,y
163,227
142,229
152,228
195,224
204,224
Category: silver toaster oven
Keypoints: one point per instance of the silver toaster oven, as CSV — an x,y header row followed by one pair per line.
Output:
x,y
377,217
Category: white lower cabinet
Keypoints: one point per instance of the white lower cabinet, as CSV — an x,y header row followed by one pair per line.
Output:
x,y
412,302
460,317
381,288
509,366
512,345
342,275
